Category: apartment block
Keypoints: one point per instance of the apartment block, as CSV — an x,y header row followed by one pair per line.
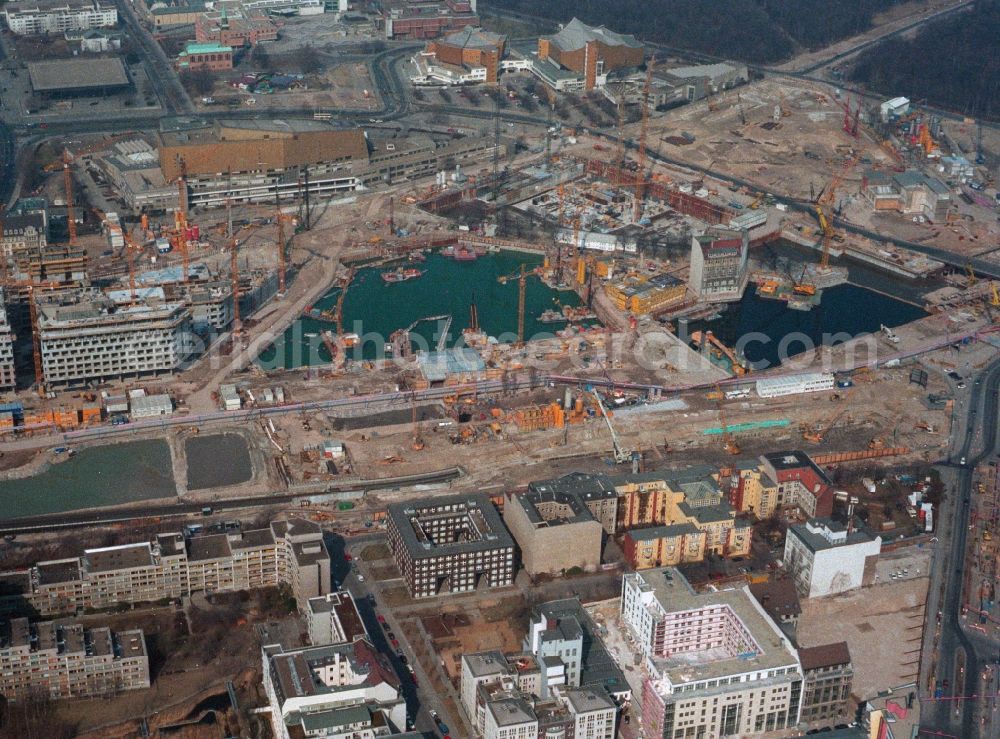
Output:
x,y
342,690
829,675
505,712
824,557
334,619
716,665
59,16
22,233
564,639
289,552
67,661
800,483
519,669
455,544
85,336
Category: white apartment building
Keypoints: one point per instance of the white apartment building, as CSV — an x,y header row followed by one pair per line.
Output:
x,y
808,382
38,17
334,619
288,552
85,336
343,690
716,664
68,661
825,558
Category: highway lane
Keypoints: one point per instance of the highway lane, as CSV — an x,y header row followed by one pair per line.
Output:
x,y
160,71
978,442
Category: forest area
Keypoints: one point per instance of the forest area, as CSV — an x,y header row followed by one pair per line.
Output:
x,y
756,31
953,64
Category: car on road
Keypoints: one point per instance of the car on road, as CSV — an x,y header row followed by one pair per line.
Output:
x,y
380,618
361,578
348,557
954,375
402,658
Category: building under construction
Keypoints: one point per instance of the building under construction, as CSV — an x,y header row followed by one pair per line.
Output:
x,y
256,161
84,336
6,348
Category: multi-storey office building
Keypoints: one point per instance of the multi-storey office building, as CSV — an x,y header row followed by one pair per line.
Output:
x,y
450,544
716,664
829,674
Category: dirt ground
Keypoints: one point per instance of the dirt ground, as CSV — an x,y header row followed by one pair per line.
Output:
x,y
882,626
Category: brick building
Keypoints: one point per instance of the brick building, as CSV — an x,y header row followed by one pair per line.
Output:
x,y
234,27
211,56
468,55
800,483
581,57
454,544
424,19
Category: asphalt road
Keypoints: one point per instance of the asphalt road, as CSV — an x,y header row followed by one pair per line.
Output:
x,y
957,647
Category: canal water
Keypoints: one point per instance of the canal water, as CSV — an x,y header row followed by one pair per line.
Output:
x,y
98,476
758,325
374,309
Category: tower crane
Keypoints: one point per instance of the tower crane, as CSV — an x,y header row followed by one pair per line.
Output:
x,y
181,219
640,185
522,283
68,184
622,455
234,275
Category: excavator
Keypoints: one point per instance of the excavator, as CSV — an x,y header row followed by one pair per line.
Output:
x,y
728,442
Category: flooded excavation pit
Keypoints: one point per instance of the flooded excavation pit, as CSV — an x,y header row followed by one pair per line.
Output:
x,y
99,476
217,460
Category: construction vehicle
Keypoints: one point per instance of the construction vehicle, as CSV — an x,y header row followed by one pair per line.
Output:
x,y
971,273
418,442
994,295
738,367
622,455
816,437
728,442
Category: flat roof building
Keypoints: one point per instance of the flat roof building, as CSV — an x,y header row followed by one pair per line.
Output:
x,y
174,566
423,19
67,661
454,544
825,557
37,17
85,336
78,77
7,376
334,690
554,528
334,619
716,664
463,57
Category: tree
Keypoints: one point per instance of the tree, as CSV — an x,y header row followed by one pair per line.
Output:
x,y
307,59
260,59
200,80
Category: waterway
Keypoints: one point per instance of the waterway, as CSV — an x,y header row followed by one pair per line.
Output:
x,y
759,325
373,309
98,476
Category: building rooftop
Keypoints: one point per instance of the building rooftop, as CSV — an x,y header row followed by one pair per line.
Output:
x,y
437,366
59,571
764,646
511,711
471,37
78,73
585,700
579,484
213,546
701,70
575,35
778,597
823,533
663,532
126,556
342,604
598,669
483,528
827,655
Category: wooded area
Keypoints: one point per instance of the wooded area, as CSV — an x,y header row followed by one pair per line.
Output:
x,y
954,64
761,31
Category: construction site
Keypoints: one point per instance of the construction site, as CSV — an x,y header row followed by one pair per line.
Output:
x,y
595,252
